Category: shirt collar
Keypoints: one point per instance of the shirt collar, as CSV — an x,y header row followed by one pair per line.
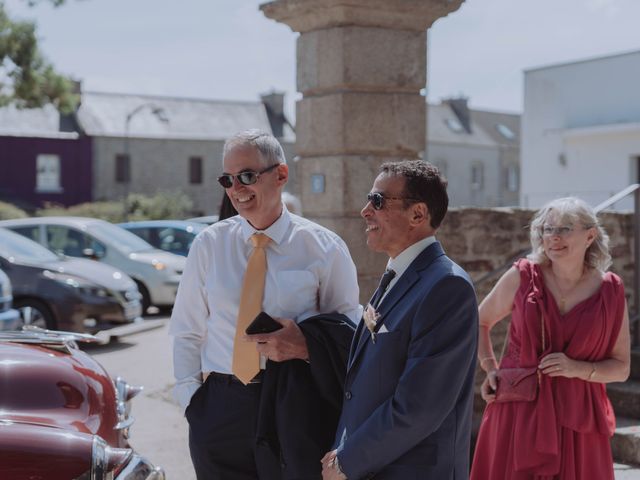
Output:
x,y
276,231
400,263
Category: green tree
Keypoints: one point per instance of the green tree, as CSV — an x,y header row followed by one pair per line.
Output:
x,y
26,78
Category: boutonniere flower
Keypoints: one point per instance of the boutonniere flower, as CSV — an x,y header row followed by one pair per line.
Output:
x,y
371,317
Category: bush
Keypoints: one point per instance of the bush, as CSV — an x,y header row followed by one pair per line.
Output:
x,y
109,211
9,211
161,206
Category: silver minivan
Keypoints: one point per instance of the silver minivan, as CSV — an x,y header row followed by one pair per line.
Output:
x,y
156,272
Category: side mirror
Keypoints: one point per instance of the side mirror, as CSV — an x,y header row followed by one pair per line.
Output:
x,y
91,253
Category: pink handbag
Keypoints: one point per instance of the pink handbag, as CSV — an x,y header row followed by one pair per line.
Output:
x,y
519,384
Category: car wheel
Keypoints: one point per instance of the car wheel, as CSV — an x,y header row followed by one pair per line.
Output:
x,y
146,298
34,312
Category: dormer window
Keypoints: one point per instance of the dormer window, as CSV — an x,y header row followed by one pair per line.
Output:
x,y
505,131
454,125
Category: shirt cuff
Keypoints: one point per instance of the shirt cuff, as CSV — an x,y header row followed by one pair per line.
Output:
x,y
183,393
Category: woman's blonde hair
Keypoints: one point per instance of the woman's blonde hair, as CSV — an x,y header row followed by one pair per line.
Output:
x,y
573,211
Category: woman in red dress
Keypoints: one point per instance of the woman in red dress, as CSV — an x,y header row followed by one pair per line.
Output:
x,y
564,433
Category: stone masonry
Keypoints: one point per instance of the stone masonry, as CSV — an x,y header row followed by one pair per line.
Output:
x,y
361,66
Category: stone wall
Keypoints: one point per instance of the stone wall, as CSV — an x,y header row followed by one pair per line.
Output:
x,y
483,240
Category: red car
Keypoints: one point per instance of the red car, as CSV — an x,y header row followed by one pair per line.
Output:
x,y
62,417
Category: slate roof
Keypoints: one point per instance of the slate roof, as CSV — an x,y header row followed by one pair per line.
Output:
x,y
104,115
489,122
32,122
439,132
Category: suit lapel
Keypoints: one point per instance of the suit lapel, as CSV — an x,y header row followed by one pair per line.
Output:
x,y
399,290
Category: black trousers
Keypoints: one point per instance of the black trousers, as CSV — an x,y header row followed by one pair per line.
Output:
x,y
222,419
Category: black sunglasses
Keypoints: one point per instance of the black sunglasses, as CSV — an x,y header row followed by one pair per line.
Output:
x,y
248,177
377,199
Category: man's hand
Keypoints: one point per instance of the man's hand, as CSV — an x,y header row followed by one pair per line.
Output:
x,y
288,343
329,471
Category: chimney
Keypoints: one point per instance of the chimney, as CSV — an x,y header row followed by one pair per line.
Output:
x,y
461,109
68,121
274,105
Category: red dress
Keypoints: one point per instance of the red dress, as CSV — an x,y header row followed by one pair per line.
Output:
x,y
563,434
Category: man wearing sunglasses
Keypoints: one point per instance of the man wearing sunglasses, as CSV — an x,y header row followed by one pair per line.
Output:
x,y
409,385
265,258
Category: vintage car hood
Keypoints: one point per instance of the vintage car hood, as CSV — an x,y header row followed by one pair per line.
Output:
x,y
56,386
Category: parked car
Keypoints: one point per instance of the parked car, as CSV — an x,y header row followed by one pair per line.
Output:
x,y
156,272
175,236
207,219
9,317
63,417
53,292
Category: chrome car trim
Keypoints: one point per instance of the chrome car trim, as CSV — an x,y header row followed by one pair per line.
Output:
x,y
139,468
34,334
99,459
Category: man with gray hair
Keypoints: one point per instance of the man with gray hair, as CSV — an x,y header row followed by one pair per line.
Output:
x,y
263,259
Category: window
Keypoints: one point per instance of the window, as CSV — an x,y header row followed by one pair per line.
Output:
x,y
175,241
195,169
123,168
505,131
477,176
32,233
48,173
71,242
454,125
512,178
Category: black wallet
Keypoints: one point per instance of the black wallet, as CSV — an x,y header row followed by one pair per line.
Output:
x,y
263,323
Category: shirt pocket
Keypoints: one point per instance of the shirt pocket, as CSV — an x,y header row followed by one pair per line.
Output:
x,y
297,292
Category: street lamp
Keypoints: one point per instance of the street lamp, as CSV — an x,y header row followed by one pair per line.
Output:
x,y
161,115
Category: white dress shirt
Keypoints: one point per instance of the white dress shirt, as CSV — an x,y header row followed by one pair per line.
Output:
x,y
400,263
309,271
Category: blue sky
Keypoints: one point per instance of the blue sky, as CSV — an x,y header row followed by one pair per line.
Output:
x,y
226,49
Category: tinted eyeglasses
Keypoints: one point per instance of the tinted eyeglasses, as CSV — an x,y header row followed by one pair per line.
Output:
x,y
248,177
560,231
377,199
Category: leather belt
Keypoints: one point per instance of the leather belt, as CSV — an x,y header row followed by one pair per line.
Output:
x,y
230,378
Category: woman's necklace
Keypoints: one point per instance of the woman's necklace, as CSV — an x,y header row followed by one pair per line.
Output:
x,y
565,293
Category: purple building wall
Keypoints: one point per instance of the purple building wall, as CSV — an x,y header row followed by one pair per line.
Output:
x,y
18,170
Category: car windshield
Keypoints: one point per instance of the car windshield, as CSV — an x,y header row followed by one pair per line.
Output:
x,y
24,250
122,240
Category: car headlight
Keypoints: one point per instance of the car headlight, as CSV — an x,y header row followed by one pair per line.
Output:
x,y
158,265
79,283
6,289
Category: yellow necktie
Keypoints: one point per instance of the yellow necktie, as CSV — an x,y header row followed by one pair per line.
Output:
x,y
246,360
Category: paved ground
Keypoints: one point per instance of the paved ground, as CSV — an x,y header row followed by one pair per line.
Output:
x,y
160,430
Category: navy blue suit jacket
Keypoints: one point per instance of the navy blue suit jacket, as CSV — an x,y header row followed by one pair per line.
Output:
x,y
408,396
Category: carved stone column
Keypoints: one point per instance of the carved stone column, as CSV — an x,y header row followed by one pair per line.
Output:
x,y
360,67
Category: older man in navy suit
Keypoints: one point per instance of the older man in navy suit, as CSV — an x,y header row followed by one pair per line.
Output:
x,y
409,385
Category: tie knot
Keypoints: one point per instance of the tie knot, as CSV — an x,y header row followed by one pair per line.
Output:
x,y
386,279
260,240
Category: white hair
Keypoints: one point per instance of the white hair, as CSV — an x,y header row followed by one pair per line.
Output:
x,y
573,211
267,145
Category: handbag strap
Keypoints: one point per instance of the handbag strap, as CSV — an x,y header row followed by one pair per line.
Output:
x,y
542,337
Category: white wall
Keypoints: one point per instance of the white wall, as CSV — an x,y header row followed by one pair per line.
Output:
x,y
580,130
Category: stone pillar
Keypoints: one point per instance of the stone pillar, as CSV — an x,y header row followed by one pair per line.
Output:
x,y
361,65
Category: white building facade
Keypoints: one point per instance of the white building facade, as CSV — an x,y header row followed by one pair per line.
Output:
x,y
581,130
